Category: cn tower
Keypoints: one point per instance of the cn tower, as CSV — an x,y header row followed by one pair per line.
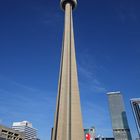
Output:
x,y
68,119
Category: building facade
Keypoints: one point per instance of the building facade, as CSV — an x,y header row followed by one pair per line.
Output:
x,y
10,134
135,103
26,128
120,126
103,138
89,133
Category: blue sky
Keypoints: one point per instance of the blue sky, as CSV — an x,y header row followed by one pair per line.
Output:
x,y
108,56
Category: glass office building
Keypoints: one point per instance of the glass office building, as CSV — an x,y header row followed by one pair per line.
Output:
x,y
120,126
26,128
135,103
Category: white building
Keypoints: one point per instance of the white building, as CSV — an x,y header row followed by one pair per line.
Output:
x,y
27,128
89,133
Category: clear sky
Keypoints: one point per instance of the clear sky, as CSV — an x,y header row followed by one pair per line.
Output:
x,y
107,38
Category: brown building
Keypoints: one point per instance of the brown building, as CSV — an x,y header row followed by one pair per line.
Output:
x,y
10,134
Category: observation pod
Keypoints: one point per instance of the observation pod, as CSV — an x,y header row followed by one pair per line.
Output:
x,y
72,2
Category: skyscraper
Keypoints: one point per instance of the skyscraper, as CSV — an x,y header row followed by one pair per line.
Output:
x,y
26,128
68,118
120,126
135,103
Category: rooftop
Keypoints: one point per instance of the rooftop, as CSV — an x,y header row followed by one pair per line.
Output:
x,y
114,92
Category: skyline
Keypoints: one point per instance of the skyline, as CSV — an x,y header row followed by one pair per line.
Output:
x,y
108,53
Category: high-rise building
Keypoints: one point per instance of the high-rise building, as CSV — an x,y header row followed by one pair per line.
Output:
x,y
89,133
120,126
68,118
137,139
135,103
10,134
26,128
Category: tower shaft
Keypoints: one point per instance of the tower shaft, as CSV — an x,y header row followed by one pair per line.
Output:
x,y
68,118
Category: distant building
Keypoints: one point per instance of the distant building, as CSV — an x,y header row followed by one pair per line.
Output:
x,y
103,138
135,103
27,128
120,126
10,134
89,133
51,133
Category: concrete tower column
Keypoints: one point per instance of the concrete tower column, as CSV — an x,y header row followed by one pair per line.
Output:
x,y
68,118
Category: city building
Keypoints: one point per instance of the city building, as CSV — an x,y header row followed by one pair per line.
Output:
x,y
89,133
103,138
120,125
68,117
135,103
10,134
26,128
